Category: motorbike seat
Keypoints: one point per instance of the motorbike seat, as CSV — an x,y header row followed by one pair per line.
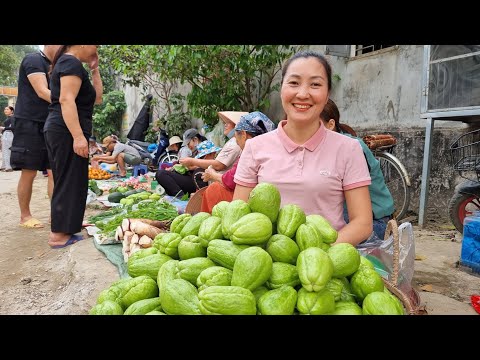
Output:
x,y
140,143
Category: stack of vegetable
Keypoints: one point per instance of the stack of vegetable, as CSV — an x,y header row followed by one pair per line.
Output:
x,y
92,185
110,221
249,258
137,234
98,174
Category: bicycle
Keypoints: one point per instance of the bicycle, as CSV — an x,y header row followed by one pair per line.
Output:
x,y
395,174
465,158
396,179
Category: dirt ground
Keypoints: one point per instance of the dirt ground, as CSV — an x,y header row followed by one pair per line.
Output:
x,y
36,279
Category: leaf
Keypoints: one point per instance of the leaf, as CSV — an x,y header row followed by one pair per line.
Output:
x,y
420,257
427,288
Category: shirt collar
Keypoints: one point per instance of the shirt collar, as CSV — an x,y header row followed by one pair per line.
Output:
x,y
44,56
311,143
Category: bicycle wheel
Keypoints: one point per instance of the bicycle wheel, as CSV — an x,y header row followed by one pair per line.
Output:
x,y
397,181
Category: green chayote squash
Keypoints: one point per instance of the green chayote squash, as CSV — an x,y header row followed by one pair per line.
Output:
x,y
283,274
252,268
227,300
219,209
265,199
327,232
179,222
211,228
314,268
108,307
167,272
233,212
144,306
214,276
143,262
179,297
290,217
307,236
251,229
315,303
168,244
192,227
224,252
191,246
191,268
280,301
128,291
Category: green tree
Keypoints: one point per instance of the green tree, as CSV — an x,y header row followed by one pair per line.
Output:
x,y
222,77
107,117
9,62
10,59
22,50
110,79
3,104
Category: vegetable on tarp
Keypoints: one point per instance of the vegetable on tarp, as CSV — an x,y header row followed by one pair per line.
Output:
x,y
92,185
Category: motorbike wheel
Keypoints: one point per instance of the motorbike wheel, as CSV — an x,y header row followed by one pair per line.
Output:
x,y
460,206
169,158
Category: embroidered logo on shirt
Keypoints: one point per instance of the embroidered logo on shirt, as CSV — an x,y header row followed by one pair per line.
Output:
x,y
324,173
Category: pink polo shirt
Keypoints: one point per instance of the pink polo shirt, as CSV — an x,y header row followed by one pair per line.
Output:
x,y
313,175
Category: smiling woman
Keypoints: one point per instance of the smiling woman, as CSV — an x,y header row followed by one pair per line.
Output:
x,y
301,157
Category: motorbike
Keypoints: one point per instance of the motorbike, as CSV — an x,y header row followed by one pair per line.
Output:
x,y
465,156
160,154
465,200
142,147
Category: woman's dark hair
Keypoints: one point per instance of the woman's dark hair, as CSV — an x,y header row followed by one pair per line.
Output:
x,y
11,108
200,137
61,50
330,111
306,54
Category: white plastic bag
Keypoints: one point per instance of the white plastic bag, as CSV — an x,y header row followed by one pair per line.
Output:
x,y
91,196
380,253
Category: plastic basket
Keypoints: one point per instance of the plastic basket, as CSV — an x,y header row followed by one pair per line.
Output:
x,y
465,155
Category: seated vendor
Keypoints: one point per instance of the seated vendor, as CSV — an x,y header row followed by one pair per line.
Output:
x,y
186,181
121,154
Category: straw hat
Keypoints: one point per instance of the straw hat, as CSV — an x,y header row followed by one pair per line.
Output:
x,y
232,116
108,140
175,140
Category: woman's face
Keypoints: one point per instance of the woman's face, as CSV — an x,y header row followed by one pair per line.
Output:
x,y
304,90
227,127
210,156
241,137
88,53
192,144
7,111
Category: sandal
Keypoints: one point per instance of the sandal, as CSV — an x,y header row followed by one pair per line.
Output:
x,y
32,223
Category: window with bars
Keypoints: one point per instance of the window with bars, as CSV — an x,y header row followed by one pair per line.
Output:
x,y
365,49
